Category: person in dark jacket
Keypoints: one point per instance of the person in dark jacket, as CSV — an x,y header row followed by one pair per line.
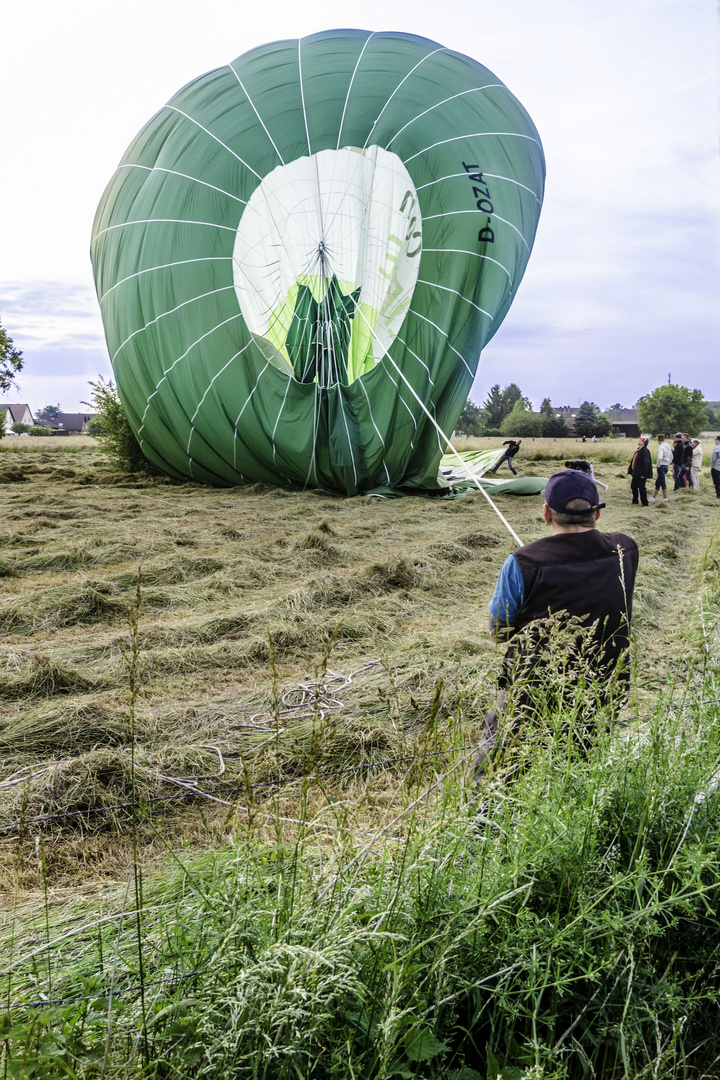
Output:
x,y
565,601
687,448
678,452
641,470
512,449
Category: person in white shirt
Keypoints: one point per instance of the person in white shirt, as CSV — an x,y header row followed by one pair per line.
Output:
x,y
664,459
697,459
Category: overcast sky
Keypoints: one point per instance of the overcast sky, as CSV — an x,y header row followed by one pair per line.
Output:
x,y
623,286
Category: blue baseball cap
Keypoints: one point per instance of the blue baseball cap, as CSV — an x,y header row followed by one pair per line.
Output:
x,y
570,484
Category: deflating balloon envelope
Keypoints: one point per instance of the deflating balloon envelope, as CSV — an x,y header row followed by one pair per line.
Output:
x,y
301,256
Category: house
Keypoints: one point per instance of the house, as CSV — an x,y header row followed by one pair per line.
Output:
x,y
625,423
568,414
17,414
67,423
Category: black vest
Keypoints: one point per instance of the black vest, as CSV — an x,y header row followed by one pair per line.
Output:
x,y
588,574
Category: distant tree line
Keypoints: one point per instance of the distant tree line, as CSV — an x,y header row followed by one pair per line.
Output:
x,y
508,412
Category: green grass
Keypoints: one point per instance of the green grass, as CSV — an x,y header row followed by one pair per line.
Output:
x,y
560,922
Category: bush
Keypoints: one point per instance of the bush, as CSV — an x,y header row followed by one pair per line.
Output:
x,y
95,427
112,427
18,428
522,423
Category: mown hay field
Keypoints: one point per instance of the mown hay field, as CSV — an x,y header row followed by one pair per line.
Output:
x,y
244,595
238,832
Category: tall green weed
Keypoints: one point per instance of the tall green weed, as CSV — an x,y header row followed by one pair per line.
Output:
x,y
558,921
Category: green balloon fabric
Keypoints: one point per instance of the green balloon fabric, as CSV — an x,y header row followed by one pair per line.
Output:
x,y
301,256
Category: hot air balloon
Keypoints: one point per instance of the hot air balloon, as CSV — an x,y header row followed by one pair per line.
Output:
x,y
300,257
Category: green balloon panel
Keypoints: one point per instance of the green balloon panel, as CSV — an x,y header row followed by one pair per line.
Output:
x,y
301,256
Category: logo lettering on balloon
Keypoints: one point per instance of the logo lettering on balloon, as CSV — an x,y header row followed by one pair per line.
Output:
x,y
412,233
483,201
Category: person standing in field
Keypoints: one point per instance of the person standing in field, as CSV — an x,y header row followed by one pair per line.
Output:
x,y
664,460
687,459
512,449
640,469
715,466
565,603
697,460
677,456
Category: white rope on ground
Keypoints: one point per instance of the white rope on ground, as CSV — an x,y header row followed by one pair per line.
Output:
x,y
311,696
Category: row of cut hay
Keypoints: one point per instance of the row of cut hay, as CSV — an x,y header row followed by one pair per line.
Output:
x,y
377,717
63,728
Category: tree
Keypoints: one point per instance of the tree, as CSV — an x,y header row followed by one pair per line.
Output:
x,y
553,427
11,361
48,412
494,407
470,422
522,422
590,421
510,395
672,408
499,403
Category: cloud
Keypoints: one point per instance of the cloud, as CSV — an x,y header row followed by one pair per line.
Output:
x,y
57,327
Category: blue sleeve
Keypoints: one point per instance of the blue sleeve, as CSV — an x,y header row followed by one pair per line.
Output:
x,y
509,593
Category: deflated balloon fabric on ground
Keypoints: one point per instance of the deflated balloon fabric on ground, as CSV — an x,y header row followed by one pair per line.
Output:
x,y
301,256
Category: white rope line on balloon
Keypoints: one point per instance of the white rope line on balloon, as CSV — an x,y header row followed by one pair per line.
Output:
x,y
457,352
302,95
277,421
401,83
475,254
316,420
165,266
402,401
330,342
171,311
220,142
207,391
372,421
252,106
495,217
439,104
247,402
446,288
183,176
161,221
447,441
350,86
167,371
473,135
490,176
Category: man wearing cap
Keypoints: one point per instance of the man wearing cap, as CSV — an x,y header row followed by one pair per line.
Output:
x,y
577,572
